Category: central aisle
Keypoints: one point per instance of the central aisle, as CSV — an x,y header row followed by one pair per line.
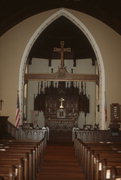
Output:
x,y
60,164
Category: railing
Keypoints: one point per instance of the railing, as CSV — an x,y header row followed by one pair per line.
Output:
x,y
32,134
96,135
35,134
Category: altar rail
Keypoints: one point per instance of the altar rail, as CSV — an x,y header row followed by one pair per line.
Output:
x,y
96,135
35,134
32,134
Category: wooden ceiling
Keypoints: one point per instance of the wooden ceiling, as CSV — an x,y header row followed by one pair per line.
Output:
x,y
13,12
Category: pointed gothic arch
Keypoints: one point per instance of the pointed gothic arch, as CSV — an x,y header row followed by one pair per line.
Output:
x,y
84,29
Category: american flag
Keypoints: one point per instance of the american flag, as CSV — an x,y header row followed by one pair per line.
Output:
x,y
17,123
105,108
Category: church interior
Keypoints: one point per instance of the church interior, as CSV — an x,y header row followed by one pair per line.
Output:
x,y
60,90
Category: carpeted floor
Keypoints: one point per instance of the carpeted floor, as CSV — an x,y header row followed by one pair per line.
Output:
x,y
60,164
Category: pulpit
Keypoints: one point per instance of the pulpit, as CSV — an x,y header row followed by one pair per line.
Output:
x,y
3,125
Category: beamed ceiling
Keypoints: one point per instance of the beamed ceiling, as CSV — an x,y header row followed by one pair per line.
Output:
x,y
13,12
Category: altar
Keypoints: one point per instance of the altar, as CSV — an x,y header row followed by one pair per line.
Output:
x,y
62,124
61,101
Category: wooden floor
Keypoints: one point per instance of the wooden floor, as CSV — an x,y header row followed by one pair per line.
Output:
x,y
60,164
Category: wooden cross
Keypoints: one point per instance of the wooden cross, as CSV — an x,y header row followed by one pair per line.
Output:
x,y
61,50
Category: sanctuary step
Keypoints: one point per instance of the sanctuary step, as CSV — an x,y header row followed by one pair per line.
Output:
x,y
60,164
60,136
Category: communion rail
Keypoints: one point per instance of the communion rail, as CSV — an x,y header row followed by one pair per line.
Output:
x,y
96,135
21,133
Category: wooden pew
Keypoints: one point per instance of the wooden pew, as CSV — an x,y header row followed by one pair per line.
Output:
x,y
7,172
1,178
31,156
31,171
87,149
17,163
30,152
103,152
115,175
9,156
38,145
106,171
103,166
112,157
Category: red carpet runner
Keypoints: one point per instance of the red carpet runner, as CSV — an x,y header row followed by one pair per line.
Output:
x,y
60,164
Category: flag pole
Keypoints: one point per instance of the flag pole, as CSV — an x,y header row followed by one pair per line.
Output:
x,y
17,116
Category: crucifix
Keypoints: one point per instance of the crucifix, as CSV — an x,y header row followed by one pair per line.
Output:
x,y
61,103
61,50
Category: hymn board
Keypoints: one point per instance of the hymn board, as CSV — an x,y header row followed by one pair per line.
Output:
x,y
61,101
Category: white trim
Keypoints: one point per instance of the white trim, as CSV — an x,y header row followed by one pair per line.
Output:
x,y
83,28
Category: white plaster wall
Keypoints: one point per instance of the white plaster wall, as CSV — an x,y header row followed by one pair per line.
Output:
x,y
12,46
84,67
39,66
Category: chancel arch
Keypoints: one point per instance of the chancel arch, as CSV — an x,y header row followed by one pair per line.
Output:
x,y
81,26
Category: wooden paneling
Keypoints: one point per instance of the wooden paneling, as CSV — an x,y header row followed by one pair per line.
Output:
x,y
62,76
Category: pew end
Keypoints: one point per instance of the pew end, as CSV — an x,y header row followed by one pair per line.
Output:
x,y
116,173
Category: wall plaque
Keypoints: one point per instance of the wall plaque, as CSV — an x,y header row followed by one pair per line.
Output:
x,y
115,112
